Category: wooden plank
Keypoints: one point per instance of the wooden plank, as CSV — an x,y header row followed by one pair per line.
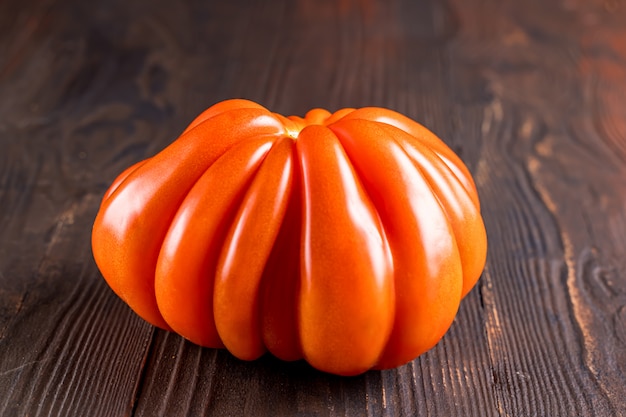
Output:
x,y
540,139
61,328
530,94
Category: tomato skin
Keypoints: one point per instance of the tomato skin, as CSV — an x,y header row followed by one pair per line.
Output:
x,y
190,249
133,220
246,250
426,260
346,296
347,239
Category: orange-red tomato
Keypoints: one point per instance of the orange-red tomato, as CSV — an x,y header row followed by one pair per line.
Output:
x,y
347,239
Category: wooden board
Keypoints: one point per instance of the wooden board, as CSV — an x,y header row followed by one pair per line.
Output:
x,y
532,95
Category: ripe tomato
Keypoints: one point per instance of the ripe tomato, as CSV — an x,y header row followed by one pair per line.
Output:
x,y
347,239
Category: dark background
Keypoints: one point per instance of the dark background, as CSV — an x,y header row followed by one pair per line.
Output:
x,y
531,94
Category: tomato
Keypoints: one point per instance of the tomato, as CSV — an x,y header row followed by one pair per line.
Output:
x,y
347,239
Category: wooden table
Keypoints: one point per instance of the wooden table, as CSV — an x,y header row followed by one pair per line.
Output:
x,y
532,96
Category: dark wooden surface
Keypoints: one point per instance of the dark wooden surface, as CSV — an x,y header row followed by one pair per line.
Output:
x,y
531,94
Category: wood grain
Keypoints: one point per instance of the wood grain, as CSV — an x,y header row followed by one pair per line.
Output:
x,y
532,95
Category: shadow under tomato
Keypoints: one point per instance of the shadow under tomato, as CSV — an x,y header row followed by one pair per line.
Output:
x,y
214,382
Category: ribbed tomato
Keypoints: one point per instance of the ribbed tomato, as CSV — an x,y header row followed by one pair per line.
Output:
x,y
347,239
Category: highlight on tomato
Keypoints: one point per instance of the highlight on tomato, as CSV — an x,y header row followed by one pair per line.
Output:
x,y
347,239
